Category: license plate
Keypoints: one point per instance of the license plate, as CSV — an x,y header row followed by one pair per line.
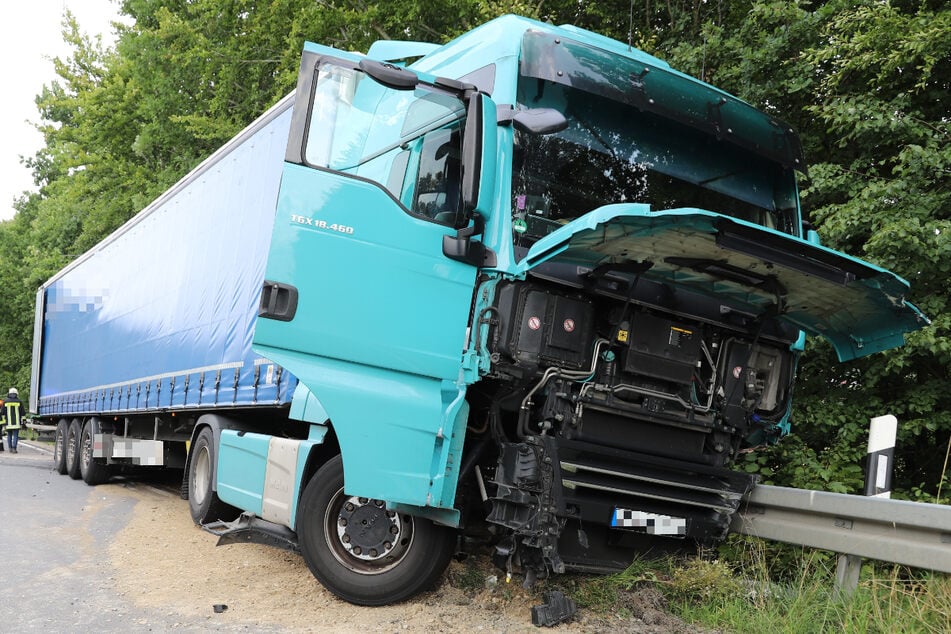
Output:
x,y
651,523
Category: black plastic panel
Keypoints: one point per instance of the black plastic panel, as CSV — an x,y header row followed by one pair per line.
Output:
x,y
663,349
538,326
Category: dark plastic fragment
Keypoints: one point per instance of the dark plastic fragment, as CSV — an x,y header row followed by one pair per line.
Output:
x,y
556,609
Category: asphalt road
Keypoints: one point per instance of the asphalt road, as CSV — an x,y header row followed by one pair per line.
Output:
x,y
55,574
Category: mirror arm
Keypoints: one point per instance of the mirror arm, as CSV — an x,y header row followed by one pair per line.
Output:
x,y
477,228
389,75
462,248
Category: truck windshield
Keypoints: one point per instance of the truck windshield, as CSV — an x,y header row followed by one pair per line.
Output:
x,y
640,133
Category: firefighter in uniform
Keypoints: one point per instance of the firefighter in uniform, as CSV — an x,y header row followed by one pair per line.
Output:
x,y
12,415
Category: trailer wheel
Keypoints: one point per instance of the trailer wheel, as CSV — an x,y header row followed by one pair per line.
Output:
x,y
92,471
203,501
72,449
363,552
59,446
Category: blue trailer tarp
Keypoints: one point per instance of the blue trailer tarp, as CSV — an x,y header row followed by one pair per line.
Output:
x,y
161,314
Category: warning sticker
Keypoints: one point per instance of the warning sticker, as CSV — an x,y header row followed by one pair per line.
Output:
x,y
534,323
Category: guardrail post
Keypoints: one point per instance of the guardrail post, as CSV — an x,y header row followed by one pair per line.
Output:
x,y
878,483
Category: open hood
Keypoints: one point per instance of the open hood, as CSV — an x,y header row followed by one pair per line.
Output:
x,y
860,308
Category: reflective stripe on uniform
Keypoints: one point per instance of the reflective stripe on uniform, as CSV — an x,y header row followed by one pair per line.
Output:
x,y
13,414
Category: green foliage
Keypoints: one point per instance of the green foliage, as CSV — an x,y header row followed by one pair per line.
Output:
x,y
707,581
605,593
757,586
792,589
882,190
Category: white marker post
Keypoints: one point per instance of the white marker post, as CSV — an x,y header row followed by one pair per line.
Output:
x,y
878,483
881,456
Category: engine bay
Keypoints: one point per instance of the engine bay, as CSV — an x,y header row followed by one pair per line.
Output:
x,y
619,406
627,375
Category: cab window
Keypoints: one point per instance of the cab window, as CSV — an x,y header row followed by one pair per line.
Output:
x,y
363,128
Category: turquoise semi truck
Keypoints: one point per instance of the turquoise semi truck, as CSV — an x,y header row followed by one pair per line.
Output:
x,y
535,287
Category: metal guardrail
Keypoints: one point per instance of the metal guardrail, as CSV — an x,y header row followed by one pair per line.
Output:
x,y
897,531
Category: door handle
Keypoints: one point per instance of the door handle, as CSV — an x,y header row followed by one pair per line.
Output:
x,y
278,301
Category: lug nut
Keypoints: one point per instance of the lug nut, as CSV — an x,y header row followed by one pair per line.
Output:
x,y
357,550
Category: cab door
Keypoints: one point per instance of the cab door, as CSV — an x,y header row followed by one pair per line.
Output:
x,y
358,233
359,300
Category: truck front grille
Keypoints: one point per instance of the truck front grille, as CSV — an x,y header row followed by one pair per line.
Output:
x,y
597,481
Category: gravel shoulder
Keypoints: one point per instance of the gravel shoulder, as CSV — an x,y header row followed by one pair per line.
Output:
x,y
154,570
163,561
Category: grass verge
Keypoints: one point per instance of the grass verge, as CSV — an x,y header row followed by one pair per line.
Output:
x,y
755,587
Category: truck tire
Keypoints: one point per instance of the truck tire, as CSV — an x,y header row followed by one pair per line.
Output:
x,y
398,558
59,446
74,431
92,471
203,501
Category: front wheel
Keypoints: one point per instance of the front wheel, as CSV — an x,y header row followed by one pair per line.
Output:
x,y
203,501
363,552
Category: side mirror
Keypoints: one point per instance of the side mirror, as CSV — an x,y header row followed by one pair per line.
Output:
x,y
472,152
478,182
540,121
479,155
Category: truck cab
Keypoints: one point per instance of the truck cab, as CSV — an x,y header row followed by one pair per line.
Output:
x,y
542,287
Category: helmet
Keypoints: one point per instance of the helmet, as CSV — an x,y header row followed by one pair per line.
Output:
x,y
13,392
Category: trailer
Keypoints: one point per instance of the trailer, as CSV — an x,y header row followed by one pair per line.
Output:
x,y
536,287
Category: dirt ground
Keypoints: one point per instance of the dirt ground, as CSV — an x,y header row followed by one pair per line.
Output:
x,y
267,588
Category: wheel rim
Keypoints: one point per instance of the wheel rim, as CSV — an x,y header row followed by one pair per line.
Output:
x,y
201,476
366,537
